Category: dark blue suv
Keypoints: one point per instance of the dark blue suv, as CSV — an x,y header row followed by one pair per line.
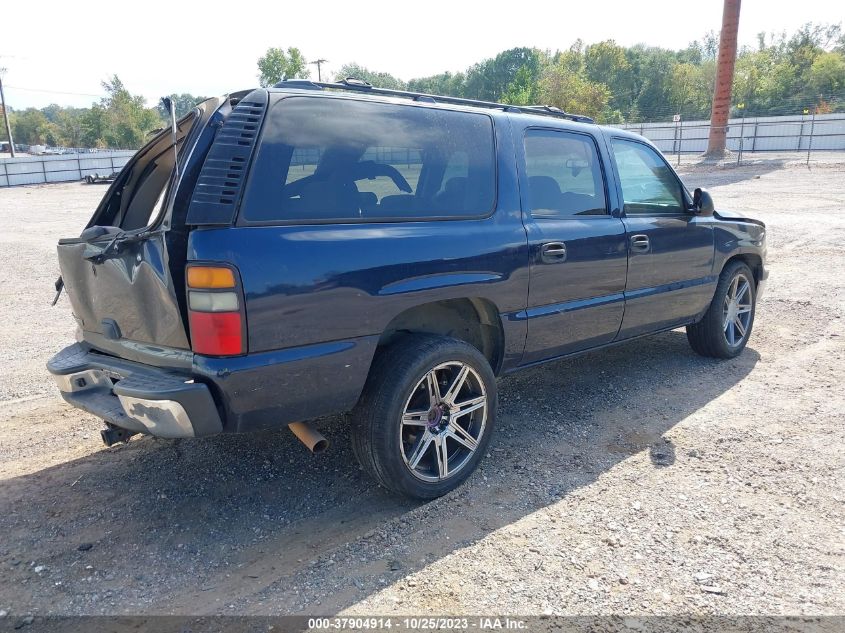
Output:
x,y
285,254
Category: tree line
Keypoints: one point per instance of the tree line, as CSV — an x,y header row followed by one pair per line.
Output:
x,y
120,120
796,73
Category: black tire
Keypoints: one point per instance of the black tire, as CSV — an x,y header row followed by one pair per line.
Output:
x,y
380,438
708,337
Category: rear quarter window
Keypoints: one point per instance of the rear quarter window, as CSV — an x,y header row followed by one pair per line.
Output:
x,y
327,159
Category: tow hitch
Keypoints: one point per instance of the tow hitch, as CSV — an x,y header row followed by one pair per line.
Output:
x,y
114,434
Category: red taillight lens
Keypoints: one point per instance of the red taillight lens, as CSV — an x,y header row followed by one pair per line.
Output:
x,y
216,333
215,310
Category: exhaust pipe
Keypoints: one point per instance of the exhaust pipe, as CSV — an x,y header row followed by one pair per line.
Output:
x,y
308,435
114,435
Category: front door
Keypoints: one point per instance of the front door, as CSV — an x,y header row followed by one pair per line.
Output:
x,y
670,263
577,251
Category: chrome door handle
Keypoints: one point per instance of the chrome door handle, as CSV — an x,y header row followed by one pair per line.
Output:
x,y
553,252
640,243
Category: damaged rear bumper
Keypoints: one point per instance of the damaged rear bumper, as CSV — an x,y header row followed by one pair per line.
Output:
x,y
136,397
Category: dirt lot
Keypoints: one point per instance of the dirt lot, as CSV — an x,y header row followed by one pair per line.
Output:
x,y
637,480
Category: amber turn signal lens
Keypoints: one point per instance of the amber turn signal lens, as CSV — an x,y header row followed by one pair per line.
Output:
x,y
210,277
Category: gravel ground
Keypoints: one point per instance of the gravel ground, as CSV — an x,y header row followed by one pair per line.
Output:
x,y
637,480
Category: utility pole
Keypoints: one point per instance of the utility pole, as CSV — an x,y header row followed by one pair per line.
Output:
x,y
6,114
318,63
725,64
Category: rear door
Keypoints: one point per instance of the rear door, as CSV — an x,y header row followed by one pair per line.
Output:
x,y
670,263
577,250
124,274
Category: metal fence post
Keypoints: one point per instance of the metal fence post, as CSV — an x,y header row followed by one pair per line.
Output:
x,y
810,143
741,138
680,140
800,133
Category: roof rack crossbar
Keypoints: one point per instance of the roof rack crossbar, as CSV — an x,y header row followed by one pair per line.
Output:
x,y
356,85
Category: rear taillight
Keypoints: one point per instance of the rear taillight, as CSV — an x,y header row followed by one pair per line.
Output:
x,y
215,311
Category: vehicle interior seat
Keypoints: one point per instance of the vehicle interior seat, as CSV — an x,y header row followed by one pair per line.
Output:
x,y
368,202
397,205
544,193
453,196
323,199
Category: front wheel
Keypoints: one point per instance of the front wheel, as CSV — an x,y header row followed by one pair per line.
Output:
x,y
726,326
426,415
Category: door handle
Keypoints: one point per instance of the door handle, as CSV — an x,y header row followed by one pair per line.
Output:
x,y
640,243
553,252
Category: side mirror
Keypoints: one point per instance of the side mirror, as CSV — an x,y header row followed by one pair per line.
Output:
x,y
702,203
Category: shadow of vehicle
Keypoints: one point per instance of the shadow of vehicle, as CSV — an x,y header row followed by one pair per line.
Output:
x,y
194,526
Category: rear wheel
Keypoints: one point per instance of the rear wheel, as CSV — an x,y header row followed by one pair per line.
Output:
x,y
726,326
426,415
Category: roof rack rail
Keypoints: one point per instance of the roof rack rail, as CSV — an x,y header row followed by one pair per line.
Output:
x,y
555,111
358,85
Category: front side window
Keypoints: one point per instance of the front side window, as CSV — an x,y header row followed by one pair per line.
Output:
x,y
564,175
648,185
345,160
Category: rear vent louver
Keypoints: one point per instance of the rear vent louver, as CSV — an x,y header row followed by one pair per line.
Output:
x,y
225,168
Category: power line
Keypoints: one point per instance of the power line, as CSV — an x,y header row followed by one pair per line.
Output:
x,y
57,92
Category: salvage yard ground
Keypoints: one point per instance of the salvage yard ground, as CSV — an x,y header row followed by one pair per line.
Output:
x,y
639,480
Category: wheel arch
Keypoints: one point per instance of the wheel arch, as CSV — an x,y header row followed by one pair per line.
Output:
x,y
752,260
474,320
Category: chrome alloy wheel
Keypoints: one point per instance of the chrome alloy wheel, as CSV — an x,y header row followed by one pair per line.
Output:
x,y
443,421
736,312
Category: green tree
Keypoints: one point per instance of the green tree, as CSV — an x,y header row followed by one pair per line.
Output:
x,y
52,112
184,103
69,123
492,78
449,84
606,63
523,90
277,64
31,127
572,92
749,87
93,123
827,74
689,90
119,120
378,79
127,118
652,88
782,74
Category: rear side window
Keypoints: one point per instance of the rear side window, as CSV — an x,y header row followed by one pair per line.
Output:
x,y
564,175
338,159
